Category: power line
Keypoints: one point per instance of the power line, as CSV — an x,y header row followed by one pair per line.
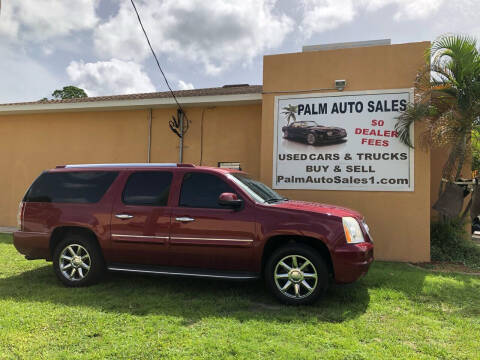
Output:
x,y
158,64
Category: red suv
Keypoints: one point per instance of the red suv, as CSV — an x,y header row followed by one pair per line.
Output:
x,y
189,221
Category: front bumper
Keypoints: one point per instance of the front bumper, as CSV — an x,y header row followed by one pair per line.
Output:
x,y
352,261
34,245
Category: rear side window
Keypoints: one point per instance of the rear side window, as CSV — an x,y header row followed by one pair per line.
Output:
x,y
201,190
148,188
70,187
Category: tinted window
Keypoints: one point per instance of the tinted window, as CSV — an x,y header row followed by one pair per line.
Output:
x,y
71,187
148,188
202,190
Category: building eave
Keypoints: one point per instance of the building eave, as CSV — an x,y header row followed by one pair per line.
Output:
x,y
132,104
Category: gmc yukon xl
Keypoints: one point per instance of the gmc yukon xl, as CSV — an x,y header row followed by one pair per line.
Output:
x,y
186,220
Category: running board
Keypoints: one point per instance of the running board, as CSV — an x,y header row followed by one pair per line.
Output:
x,y
188,272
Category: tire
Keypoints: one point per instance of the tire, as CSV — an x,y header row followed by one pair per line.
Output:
x,y
78,261
277,276
285,134
311,139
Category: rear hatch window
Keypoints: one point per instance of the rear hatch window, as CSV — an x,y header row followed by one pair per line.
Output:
x,y
70,187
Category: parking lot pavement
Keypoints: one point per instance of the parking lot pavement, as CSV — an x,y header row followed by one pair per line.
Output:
x,y
7,229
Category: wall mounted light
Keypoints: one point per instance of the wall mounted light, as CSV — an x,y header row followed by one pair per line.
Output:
x,y
340,84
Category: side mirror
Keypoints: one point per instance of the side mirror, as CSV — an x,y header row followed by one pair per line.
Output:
x,y
230,200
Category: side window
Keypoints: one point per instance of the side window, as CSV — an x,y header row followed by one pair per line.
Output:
x,y
70,187
149,188
201,190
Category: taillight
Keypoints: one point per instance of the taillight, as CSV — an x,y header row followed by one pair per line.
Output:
x,y
21,207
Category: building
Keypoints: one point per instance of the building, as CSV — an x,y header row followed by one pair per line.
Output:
x,y
243,124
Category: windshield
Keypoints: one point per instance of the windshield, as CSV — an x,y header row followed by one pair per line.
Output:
x,y
310,123
257,190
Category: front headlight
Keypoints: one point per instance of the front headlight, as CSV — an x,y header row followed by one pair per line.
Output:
x,y
353,233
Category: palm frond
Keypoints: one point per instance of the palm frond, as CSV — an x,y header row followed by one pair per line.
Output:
x,y
414,113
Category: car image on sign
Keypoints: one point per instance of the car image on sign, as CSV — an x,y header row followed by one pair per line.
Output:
x,y
313,133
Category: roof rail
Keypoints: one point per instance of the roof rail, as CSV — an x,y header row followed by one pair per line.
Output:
x,y
118,165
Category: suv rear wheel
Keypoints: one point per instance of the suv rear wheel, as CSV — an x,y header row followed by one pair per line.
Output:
x,y
77,261
296,274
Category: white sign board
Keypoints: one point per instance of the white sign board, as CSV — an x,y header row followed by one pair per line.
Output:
x,y
341,141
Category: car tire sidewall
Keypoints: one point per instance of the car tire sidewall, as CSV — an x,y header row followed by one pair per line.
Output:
x,y
97,266
312,255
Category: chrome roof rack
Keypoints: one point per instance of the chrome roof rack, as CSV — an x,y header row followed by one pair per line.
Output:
x,y
118,165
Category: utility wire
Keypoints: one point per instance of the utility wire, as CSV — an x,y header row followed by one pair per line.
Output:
x,y
158,63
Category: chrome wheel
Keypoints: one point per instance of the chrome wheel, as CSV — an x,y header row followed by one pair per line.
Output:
x,y
295,276
75,262
311,139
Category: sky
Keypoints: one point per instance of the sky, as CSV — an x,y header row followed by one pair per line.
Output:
x,y
98,45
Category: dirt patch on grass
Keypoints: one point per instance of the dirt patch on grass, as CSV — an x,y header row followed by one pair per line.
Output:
x,y
441,266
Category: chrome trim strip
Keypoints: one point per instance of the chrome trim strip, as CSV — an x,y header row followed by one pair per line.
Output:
x,y
245,277
140,236
33,232
210,239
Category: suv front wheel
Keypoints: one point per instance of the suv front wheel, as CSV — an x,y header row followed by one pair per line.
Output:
x,y
296,274
77,261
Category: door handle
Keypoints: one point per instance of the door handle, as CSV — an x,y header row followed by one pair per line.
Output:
x,y
184,219
124,216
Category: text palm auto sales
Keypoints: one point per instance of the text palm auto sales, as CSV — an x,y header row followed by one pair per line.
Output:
x,y
358,107
352,106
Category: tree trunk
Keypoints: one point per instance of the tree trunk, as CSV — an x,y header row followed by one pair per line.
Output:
x,y
462,147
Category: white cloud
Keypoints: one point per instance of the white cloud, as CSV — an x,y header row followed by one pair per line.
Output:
x,y
182,85
322,15
23,78
110,77
407,9
215,33
40,20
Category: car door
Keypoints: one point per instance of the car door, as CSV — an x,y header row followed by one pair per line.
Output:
x,y
206,235
140,225
303,131
293,131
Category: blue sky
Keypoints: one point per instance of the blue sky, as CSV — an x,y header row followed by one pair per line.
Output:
x,y
98,45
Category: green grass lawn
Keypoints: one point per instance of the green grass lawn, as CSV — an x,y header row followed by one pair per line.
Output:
x,y
394,312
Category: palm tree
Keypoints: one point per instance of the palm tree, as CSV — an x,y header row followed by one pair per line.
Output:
x,y
447,101
290,112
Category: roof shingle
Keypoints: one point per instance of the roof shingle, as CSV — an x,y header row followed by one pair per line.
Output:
x,y
228,90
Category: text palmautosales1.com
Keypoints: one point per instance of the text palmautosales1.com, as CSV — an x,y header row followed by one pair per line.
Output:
x,y
340,180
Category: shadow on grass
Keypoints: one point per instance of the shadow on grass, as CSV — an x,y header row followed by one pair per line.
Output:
x,y
6,239
192,299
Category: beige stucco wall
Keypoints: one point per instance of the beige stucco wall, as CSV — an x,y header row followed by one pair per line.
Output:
x,y
230,133
34,142
399,220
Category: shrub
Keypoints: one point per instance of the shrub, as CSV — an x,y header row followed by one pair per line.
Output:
x,y
450,241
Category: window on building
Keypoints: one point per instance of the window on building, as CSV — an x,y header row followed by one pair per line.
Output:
x,y
201,190
70,187
148,188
